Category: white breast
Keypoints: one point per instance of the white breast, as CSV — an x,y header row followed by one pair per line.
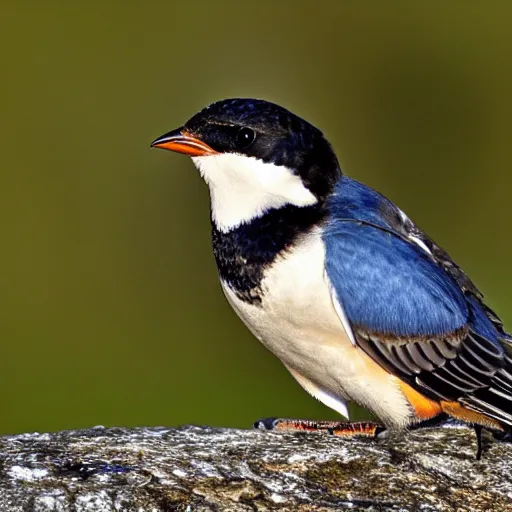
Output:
x,y
298,322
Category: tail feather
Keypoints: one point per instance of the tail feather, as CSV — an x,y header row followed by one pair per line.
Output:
x,y
495,399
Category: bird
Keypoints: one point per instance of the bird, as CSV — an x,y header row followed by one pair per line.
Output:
x,y
357,302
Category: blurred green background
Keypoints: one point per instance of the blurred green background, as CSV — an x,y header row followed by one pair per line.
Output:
x,y
111,312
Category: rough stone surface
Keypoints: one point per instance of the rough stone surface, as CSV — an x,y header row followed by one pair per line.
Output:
x,y
206,469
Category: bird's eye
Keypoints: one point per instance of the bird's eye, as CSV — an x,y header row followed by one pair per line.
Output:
x,y
245,137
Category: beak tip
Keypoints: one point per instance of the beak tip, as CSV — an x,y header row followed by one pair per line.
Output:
x,y
157,143
181,141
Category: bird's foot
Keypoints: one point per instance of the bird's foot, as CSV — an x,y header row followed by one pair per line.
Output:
x,y
337,428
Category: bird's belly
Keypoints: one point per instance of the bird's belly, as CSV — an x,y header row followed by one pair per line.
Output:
x,y
297,321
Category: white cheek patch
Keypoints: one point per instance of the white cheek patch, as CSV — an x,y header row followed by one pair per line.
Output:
x,y
243,188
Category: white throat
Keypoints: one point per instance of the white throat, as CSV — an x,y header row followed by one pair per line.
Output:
x,y
243,188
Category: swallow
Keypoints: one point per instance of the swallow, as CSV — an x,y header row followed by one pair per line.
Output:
x,y
339,283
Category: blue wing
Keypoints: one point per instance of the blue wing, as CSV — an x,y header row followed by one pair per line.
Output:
x,y
411,308
387,285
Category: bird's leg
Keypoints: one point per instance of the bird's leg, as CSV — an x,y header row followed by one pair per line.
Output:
x,y
479,449
337,428
482,444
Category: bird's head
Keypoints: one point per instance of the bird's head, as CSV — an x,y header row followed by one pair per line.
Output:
x,y
255,156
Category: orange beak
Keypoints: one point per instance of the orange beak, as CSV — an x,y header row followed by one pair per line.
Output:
x,y
183,142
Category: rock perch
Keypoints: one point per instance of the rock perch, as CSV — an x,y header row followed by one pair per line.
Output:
x,y
207,469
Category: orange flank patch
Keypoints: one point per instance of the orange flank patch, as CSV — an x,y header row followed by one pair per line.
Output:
x,y
460,412
424,407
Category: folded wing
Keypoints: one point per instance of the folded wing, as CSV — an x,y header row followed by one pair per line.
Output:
x,y
412,309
